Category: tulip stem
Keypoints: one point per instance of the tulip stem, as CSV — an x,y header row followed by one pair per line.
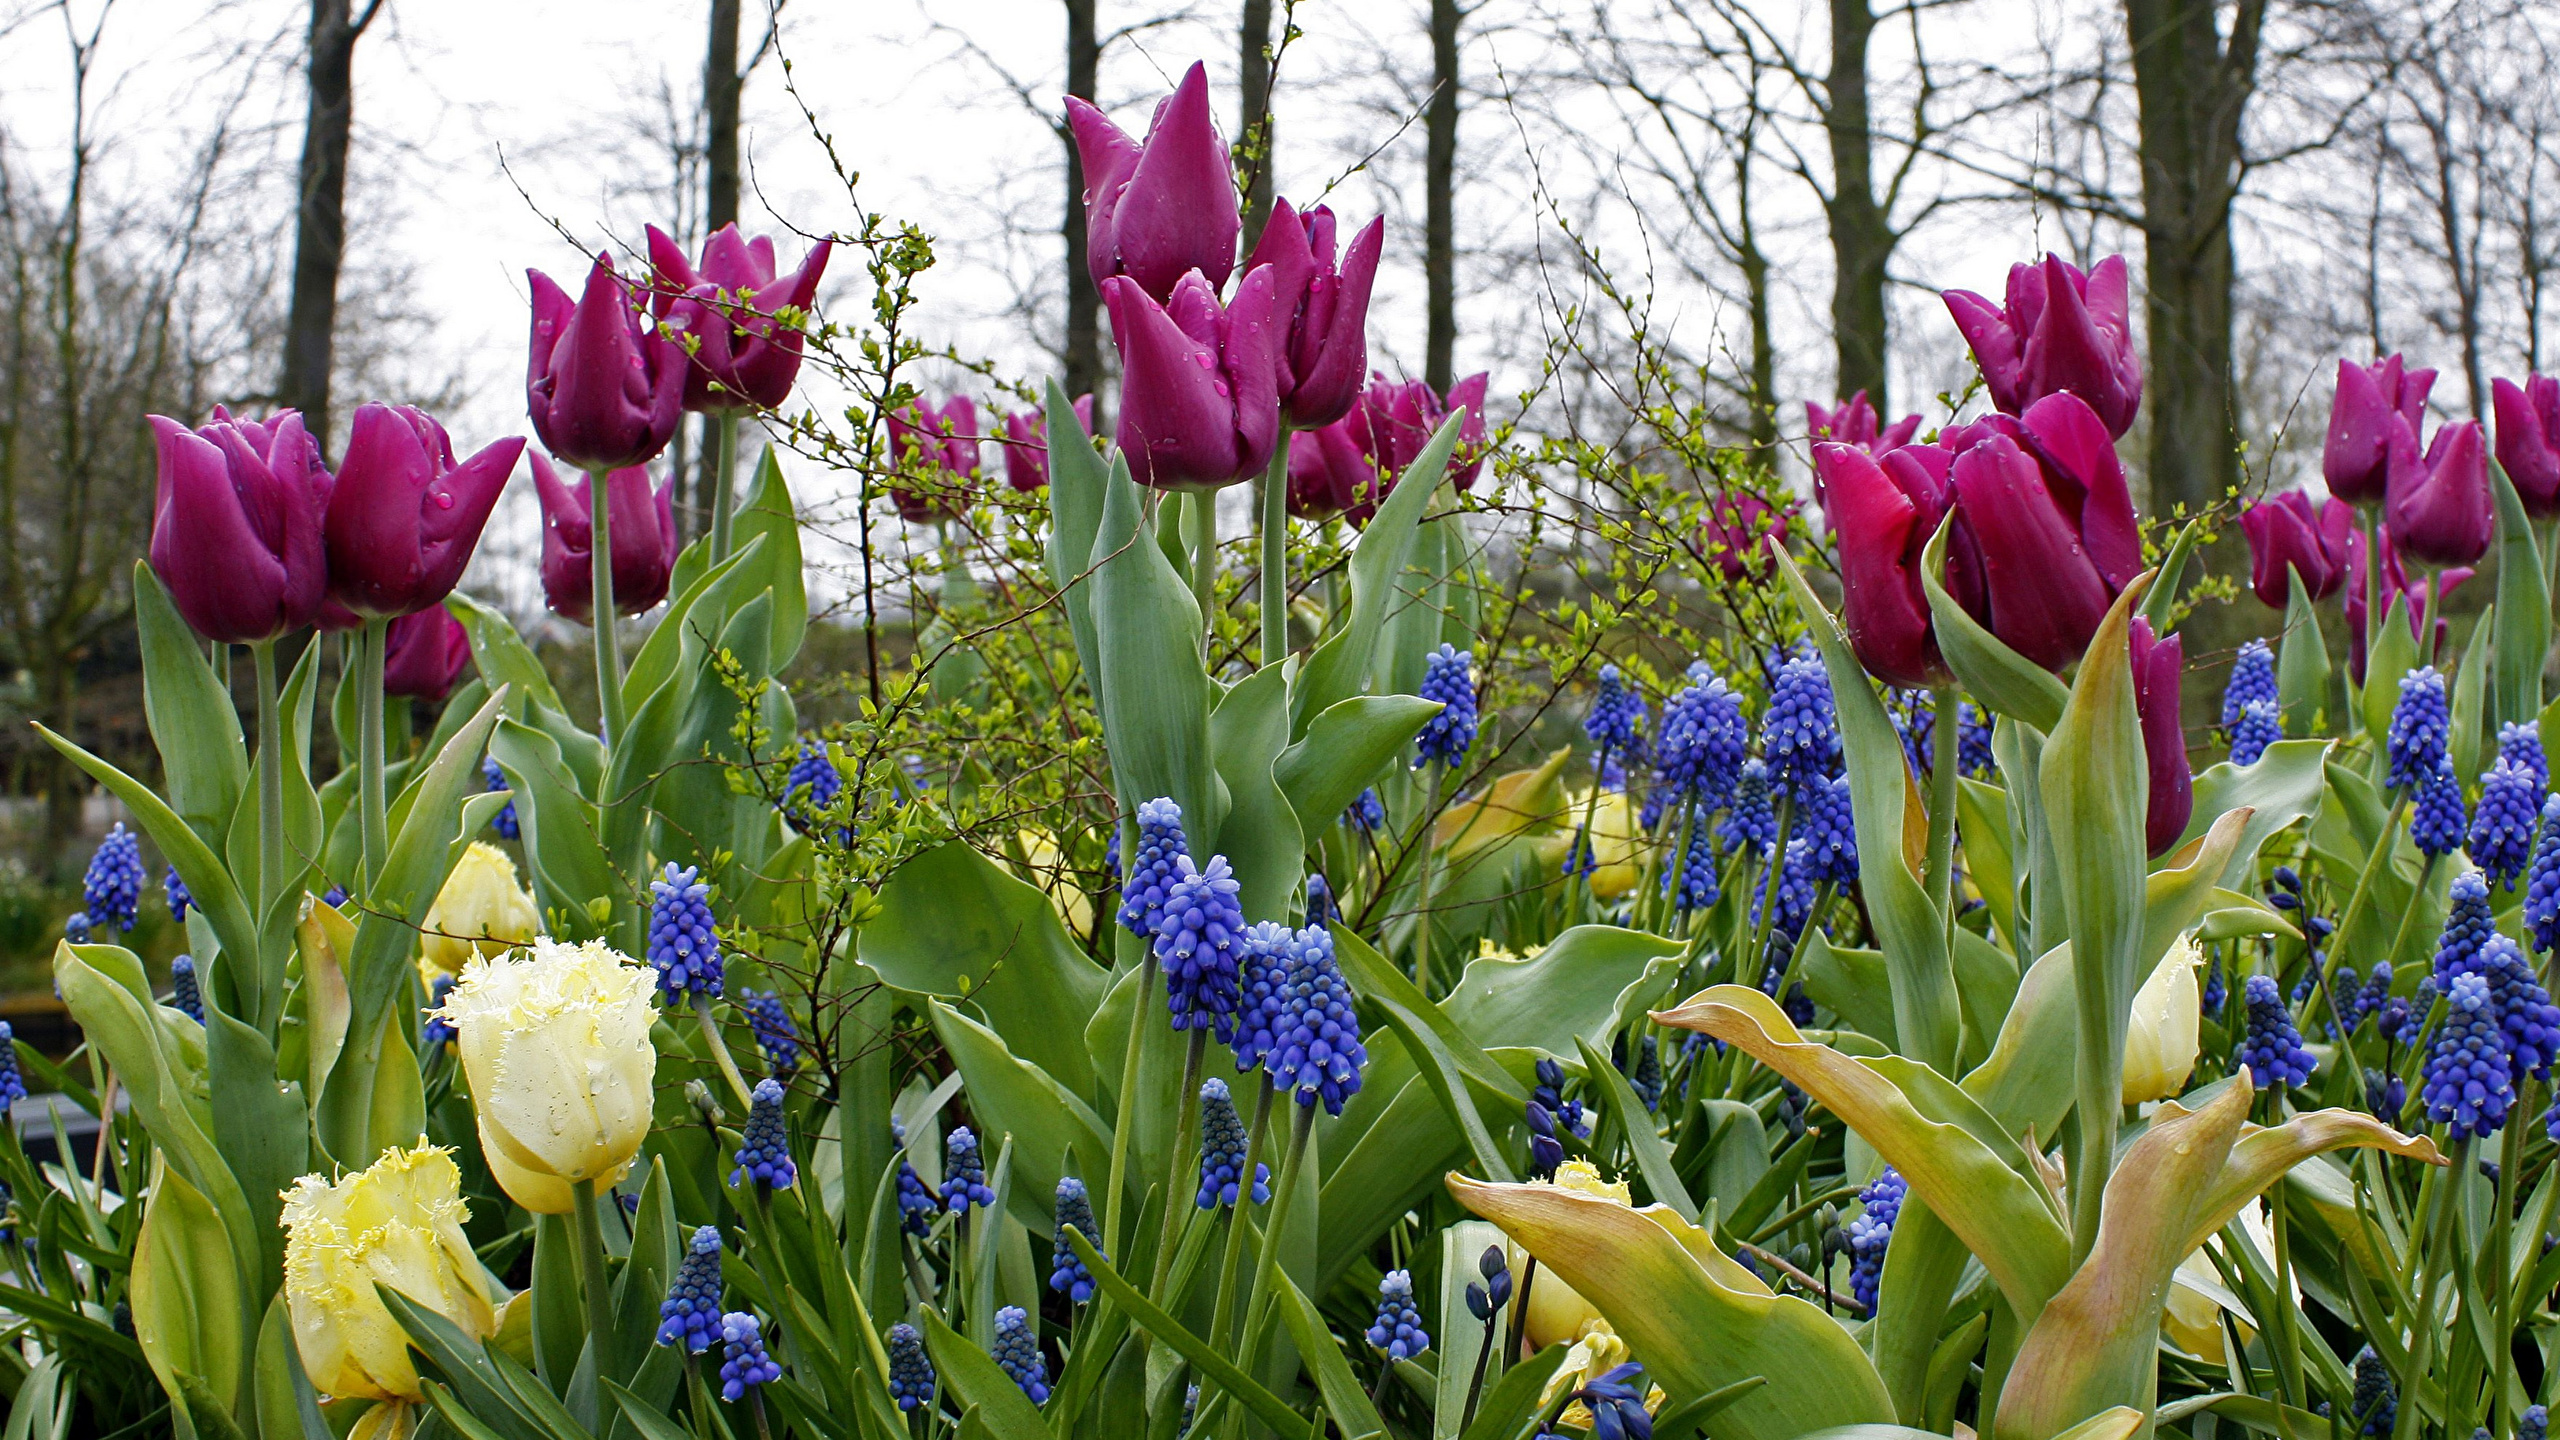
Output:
x,y
376,830
270,778
588,1225
600,567
1275,556
1944,736
1186,1135
1204,563
724,492
720,1050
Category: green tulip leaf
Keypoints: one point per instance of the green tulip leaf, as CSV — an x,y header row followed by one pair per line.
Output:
x,y
1339,668
2470,695
1260,836
1344,750
1146,623
2523,633
769,515
558,824
193,723
2302,661
2283,788
189,1311
2160,603
1077,480
2393,654
500,654
1982,822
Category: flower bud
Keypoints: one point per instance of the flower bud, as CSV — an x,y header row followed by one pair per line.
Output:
x,y
643,536
425,655
2373,429
1322,312
2442,513
2295,532
480,911
2060,330
728,314
2529,439
235,528
555,1044
2160,1042
396,1224
2156,665
1158,210
603,385
1855,422
404,518
1199,395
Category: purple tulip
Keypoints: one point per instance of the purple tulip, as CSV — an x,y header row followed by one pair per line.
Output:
x,y
1855,422
1736,532
2444,514
1883,514
1157,211
424,654
643,527
1325,311
2046,598
2297,533
746,355
235,528
2156,667
2060,330
604,384
2373,429
1026,445
2394,582
403,517
1394,424
1329,474
1199,382
2529,439
940,447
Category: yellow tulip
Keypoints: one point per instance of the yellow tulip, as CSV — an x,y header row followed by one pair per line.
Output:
x,y
1516,803
1048,871
397,1224
482,910
1556,1312
2191,1313
1613,841
555,1044
2160,1042
1598,1352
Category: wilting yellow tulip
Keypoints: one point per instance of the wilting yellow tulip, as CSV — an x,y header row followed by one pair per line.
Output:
x,y
555,1044
2160,1040
397,1224
482,910
1556,1312
2191,1314
1613,841
1049,872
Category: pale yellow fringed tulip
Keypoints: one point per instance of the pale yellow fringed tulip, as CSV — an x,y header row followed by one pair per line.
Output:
x,y
2160,1041
482,910
1556,1313
1613,841
555,1044
398,1224
1049,872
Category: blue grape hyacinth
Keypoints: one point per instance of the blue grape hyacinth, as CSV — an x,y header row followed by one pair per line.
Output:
x,y
2467,1084
1549,1092
1645,1076
1753,820
494,781
2437,820
2271,1047
1067,1273
1162,850
1692,884
1198,945
1829,827
1615,722
916,1204
1800,731
2258,727
2253,681
810,786
2501,840
1222,1149
2528,1020
690,1315
1315,1046
744,1364
2467,926
1321,909
1880,1204
1017,1352
174,889
185,995
683,946
1261,975
1397,1330
1704,741
1448,677
2421,724
1366,812
2377,1397
2520,741
13,1086
2542,881
910,1373
964,1173
112,889
764,1151
777,1034
435,1031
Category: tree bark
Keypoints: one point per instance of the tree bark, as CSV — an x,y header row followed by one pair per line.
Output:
x,y
2192,84
1861,239
1253,125
1084,300
320,223
722,86
1439,185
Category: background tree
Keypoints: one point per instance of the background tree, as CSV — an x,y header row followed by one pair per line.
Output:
x,y
320,220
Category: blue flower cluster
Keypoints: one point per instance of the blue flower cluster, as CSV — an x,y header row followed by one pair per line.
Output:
x,y
2271,1047
964,1173
2520,741
13,1086
1616,1402
185,996
174,890
1800,731
1017,1352
1829,826
1366,812
1161,848
777,1034
682,943
1300,1023
2253,681
744,1363
2467,1083
1692,884
1879,1205
1645,1078
916,1204
2421,724
1397,1330
2501,840
1753,820
112,889
1703,745
434,1031
1616,719
2529,1022
2467,926
910,1373
494,781
1448,677
2542,882
1067,1273
1495,1293
1199,934
690,1315
2377,1397
2259,725
1549,1092
1222,1152
2437,821
810,786
764,1151
1321,909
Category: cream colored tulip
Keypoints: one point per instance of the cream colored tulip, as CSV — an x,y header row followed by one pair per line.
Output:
x,y
1613,841
1556,1313
1049,872
482,910
2191,1312
2160,1039
397,1224
555,1044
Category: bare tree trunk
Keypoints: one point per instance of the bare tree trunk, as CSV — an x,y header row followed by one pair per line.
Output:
x,y
1439,187
320,224
1861,239
722,85
1084,301
1253,126
2192,85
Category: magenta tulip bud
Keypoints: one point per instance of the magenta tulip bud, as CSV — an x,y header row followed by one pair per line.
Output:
x,y
1199,382
2394,582
235,528
2373,429
2529,440
2156,666
2060,330
403,518
1395,422
2297,533
2046,597
425,654
1854,422
730,315
1324,311
2444,515
1330,474
1026,445
1735,533
643,526
938,449
603,384
1883,515
1155,212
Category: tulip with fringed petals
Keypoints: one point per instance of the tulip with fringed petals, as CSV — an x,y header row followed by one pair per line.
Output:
x,y
603,384
2161,1038
397,1223
728,315
236,525
1159,209
555,1045
482,910
643,530
2374,420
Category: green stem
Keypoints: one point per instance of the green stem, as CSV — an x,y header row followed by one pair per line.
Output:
x,y
587,1225
1584,856
1757,956
376,824
1186,1135
1944,737
2100,1105
720,1050
1203,507
1422,898
2409,916
600,571
1267,1267
1113,1238
270,778
2373,863
2444,1186
1230,1266
724,494
1275,555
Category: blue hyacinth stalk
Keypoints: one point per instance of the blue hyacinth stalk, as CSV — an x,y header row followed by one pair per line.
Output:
x,y
2258,726
2542,881
174,890
2252,682
1615,727
1017,1353
684,948
1880,1204
494,781
1155,844
1200,943
112,889
745,1368
690,1315
777,1034
2501,839
910,1373
1397,1331
1067,1273
185,996
2419,774
1222,1154
764,1151
1449,678
2270,1046
13,1085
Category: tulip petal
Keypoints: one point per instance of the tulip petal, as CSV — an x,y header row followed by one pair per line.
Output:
x,y
2045,596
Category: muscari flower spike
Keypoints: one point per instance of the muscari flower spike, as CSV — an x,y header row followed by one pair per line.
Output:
x,y
916,1205
13,1086
682,943
2542,882
1315,1047
1067,1273
1546,1147
1692,884
910,1373
764,1151
2501,840
811,784
2533,1423
1753,820
744,1364
2467,926
2258,726
2385,1094
777,1034
1800,731
1448,677
2466,1084
175,889
2271,1047
494,781
1397,1330
1198,945
1550,1093
964,1173
690,1315
2253,680
75,928
185,996
1495,1293
1367,812
2437,820
2528,1020
1829,827
2521,742
335,897
2215,992
1880,1204
1261,972
1017,1352
112,889
1161,851
1646,1077
1616,1402
2377,1397
1321,909
2420,726
1222,1147
1699,756
1615,722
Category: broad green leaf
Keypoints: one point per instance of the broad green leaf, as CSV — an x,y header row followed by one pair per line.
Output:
x,y
1909,929
768,514
478,1389
562,847
500,654
2524,608
188,1309
2394,652
700,820
981,1385
1077,478
2302,662
2470,711
1850,982
1011,1096
193,723
697,583
2026,1080
956,924
1699,1319
1155,696
1260,836
1941,1140
1986,984
1344,750
1339,668
2003,680
1983,824
1450,1062
2282,788
2175,896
